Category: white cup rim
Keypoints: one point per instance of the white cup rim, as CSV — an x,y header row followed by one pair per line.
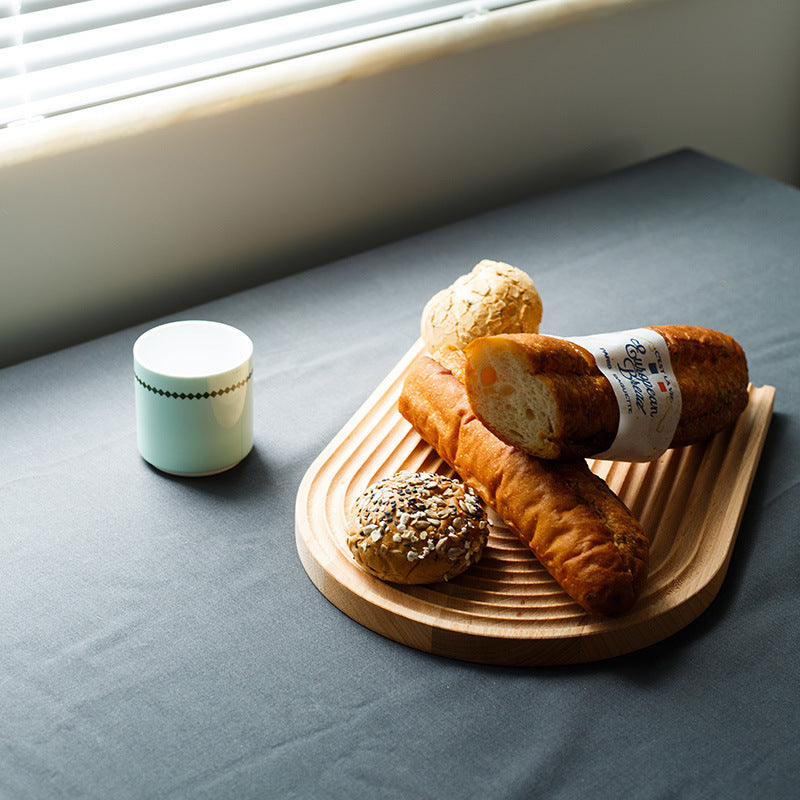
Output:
x,y
191,350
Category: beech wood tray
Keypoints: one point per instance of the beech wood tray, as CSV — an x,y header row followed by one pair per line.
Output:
x,y
507,609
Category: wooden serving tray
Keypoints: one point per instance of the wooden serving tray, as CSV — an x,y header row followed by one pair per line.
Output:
x,y
507,609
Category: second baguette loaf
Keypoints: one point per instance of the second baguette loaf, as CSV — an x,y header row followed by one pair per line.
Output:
x,y
580,531
547,396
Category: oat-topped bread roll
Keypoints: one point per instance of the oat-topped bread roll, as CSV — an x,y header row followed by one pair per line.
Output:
x,y
493,298
417,527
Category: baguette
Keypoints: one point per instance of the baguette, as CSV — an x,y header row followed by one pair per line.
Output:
x,y
547,396
580,531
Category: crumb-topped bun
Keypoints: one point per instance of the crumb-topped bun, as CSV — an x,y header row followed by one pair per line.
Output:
x,y
417,527
493,298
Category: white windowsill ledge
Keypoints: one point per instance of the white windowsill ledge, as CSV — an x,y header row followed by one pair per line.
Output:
x,y
120,214
124,118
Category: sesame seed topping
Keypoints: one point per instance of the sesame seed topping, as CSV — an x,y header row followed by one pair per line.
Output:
x,y
432,522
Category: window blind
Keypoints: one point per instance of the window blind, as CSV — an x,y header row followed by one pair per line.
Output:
x,y
63,56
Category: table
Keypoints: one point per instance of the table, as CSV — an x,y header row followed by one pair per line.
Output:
x,y
159,637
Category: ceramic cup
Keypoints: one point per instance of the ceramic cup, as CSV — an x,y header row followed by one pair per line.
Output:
x,y
194,397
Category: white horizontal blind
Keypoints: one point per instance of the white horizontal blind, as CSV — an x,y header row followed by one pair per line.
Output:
x,y
57,57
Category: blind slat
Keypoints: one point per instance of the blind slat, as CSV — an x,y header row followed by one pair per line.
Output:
x,y
64,57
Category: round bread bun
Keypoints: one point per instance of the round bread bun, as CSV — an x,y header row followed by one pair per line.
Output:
x,y
417,527
494,298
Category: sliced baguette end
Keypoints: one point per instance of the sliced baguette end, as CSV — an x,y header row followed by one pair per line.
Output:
x,y
513,403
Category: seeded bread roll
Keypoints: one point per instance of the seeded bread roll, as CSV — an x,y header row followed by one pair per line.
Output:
x,y
493,298
417,527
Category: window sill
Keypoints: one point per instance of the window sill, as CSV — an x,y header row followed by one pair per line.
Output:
x,y
139,115
117,215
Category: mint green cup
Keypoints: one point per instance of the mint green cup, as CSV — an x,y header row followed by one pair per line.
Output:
x,y
194,397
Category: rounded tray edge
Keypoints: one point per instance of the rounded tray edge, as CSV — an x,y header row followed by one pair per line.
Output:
x,y
596,640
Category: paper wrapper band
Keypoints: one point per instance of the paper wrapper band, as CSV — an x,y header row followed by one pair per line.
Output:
x,y
637,364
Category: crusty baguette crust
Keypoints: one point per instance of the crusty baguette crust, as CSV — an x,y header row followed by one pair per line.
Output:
x,y
710,368
574,524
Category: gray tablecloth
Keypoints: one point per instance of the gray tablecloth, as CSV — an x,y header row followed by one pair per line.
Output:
x,y
159,637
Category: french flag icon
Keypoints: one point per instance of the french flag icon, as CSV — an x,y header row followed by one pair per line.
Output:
x,y
662,386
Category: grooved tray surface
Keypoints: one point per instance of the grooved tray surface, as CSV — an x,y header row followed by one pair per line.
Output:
x,y
507,609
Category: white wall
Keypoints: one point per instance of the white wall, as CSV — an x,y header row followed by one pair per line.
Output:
x,y
102,237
